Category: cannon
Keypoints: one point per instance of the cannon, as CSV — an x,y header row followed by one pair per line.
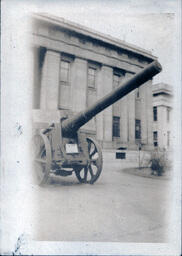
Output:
x,y
62,149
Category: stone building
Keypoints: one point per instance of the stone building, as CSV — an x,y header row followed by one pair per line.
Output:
x,y
75,66
162,116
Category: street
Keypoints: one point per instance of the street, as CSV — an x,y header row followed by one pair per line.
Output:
x,y
119,207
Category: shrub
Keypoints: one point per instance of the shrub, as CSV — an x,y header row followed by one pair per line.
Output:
x,y
158,162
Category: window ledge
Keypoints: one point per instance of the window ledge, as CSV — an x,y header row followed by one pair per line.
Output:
x,y
91,88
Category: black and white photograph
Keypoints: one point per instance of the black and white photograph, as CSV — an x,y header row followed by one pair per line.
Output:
x,y
90,127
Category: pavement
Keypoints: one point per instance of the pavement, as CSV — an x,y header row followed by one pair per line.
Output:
x,y
120,207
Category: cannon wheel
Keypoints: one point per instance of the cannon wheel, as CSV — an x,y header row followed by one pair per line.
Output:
x,y
92,172
42,158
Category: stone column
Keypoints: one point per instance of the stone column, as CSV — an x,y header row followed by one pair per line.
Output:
x,y
78,85
100,116
149,114
124,121
144,114
50,81
131,116
36,77
124,118
104,119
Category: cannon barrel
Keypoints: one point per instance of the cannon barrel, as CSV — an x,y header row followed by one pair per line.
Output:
x,y
71,125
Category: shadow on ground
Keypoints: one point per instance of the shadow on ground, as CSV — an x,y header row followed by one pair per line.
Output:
x,y
62,181
147,173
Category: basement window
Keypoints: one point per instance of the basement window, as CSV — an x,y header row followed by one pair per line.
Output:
x,y
120,155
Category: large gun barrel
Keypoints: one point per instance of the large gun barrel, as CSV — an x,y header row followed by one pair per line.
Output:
x,y
71,125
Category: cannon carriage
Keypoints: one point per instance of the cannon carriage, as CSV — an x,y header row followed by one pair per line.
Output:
x,y
62,149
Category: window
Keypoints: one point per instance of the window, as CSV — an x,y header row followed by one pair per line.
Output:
x,y
155,139
120,155
137,93
92,77
168,114
64,72
116,126
155,113
168,138
64,83
116,80
137,129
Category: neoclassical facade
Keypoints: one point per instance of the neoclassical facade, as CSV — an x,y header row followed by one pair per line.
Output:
x,y
75,66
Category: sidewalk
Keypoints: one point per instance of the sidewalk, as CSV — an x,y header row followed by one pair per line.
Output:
x,y
146,172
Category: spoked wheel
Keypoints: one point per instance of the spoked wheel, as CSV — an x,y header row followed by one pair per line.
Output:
x,y
92,172
42,158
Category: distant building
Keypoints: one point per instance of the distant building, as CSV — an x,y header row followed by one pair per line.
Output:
x,y
75,66
162,116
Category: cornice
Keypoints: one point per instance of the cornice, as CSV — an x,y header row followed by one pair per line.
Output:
x,y
80,29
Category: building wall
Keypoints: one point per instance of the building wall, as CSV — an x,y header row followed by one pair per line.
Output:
x,y
162,99
51,95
